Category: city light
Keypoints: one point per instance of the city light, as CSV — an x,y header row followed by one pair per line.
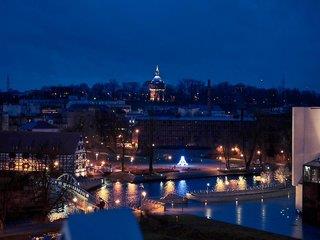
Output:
x,y
75,199
144,194
117,201
182,162
137,131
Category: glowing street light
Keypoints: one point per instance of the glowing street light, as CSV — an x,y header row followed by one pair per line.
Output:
x,y
131,159
117,201
137,131
258,152
144,194
75,200
89,208
56,164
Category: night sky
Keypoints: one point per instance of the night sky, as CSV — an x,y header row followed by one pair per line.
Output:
x,y
69,42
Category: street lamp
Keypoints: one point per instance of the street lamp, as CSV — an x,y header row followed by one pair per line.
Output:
x,y
143,196
75,199
97,154
208,185
137,131
56,164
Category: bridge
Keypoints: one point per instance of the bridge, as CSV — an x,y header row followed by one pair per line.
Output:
x,y
69,183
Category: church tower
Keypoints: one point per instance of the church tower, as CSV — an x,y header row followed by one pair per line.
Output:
x,y
157,87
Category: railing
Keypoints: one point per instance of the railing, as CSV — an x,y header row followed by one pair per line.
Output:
x,y
254,188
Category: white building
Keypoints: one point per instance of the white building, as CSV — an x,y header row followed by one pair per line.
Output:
x,y
305,144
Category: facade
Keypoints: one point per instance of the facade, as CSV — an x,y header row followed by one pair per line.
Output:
x,y
39,126
190,131
305,144
311,192
36,151
157,88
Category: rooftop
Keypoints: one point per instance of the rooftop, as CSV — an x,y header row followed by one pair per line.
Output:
x,y
33,142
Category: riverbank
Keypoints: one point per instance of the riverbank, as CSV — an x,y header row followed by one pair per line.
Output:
x,y
188,227
127,177
211,197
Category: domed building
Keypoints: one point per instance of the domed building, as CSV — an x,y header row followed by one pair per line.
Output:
x,y
157,87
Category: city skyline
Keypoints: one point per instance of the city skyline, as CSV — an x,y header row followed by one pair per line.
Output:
x,y
63,43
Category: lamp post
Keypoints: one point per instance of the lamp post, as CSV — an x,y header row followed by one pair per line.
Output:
x,y
120,136
208,185
143,195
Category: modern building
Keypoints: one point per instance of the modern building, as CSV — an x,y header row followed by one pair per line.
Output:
x,y
61,152
305,159
157,87
311,192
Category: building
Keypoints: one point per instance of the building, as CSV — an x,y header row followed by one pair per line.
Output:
x,y
60,152
39,126
157,87
311,192
190,131
305,144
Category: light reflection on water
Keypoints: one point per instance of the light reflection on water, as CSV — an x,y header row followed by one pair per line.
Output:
x,y
275,215
130,194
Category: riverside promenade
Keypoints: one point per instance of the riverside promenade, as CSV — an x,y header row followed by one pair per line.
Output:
x,y
248,194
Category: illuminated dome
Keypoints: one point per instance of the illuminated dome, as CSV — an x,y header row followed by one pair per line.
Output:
x,y
157,87
157,79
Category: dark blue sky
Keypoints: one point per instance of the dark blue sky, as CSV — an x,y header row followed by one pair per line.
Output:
x,y
65,42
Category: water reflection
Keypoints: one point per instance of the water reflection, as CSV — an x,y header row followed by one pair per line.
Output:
x,y
239,214
129,193
208,212
169,187
263,215
182,188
